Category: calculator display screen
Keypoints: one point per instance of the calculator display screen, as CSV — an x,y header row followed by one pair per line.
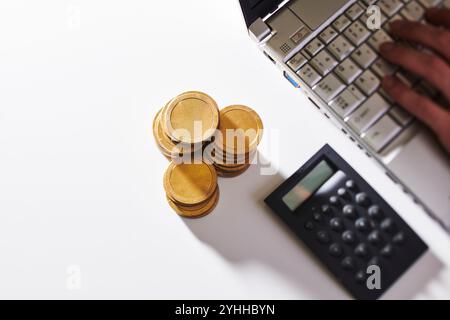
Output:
x,y
308,185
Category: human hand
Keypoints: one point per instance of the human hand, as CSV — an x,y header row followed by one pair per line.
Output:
x,y
433,66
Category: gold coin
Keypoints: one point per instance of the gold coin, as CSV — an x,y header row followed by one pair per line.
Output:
x,y
168,148
191,207
197,213
244,123
190,184
231,172
187,111
163,141
228,159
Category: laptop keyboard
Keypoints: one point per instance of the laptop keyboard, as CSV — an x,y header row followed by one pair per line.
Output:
x,y
343,68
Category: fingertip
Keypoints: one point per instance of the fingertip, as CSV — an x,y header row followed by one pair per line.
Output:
x,y
388,83
387,47
397,25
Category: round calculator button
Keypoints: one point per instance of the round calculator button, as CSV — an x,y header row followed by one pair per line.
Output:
x,y
349,237
387,251
335,250
375,238
362,250
318,217
336,224
388,225
323,237
309,226
362,225
326,209
375,212
375,261
362,199
349,212
334,200
348,264
350,184
399,239
342,192
360,277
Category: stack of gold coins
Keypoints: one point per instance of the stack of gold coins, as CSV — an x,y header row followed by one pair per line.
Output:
x,y
185,124
192,133
235,145
191,189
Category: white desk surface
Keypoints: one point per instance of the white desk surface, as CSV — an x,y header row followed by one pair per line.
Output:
x,y
81,177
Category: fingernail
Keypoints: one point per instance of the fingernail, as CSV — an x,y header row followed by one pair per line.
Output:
x,y
388,82
387,47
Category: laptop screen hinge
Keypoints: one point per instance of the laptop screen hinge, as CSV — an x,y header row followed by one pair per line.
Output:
x,y
259,30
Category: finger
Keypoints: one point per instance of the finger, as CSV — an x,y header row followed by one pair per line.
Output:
x,y
430,36
426,65
420,106
438,17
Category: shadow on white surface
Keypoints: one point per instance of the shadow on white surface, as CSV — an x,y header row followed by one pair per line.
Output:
x,y
243,230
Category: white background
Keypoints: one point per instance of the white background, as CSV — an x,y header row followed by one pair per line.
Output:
x,y
81,177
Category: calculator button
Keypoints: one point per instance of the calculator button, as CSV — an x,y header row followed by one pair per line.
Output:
x,y
375,238
348,263
323,237
350,184
360,277
349,237
362,250
326,209
387,251
318,217
375,261
334,200
342,192
335,250
309,226
336,224
349,212
388,225
399,239
375,212
362,224
362,199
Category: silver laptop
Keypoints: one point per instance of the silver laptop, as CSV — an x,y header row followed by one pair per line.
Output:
x,y
328,49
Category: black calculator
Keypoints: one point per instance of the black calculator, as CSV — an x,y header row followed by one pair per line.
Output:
x,y
347,225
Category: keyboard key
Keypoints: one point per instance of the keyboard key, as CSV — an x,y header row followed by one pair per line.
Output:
x,y
413,11
429,3
328,35
402,116
368,113
348,71
309,75
341,23
324,63
354,11
314,47
364,56
368,82
357,33
346,102
378,39
382,133
341,48
297,62
390,7
329,88
383,68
